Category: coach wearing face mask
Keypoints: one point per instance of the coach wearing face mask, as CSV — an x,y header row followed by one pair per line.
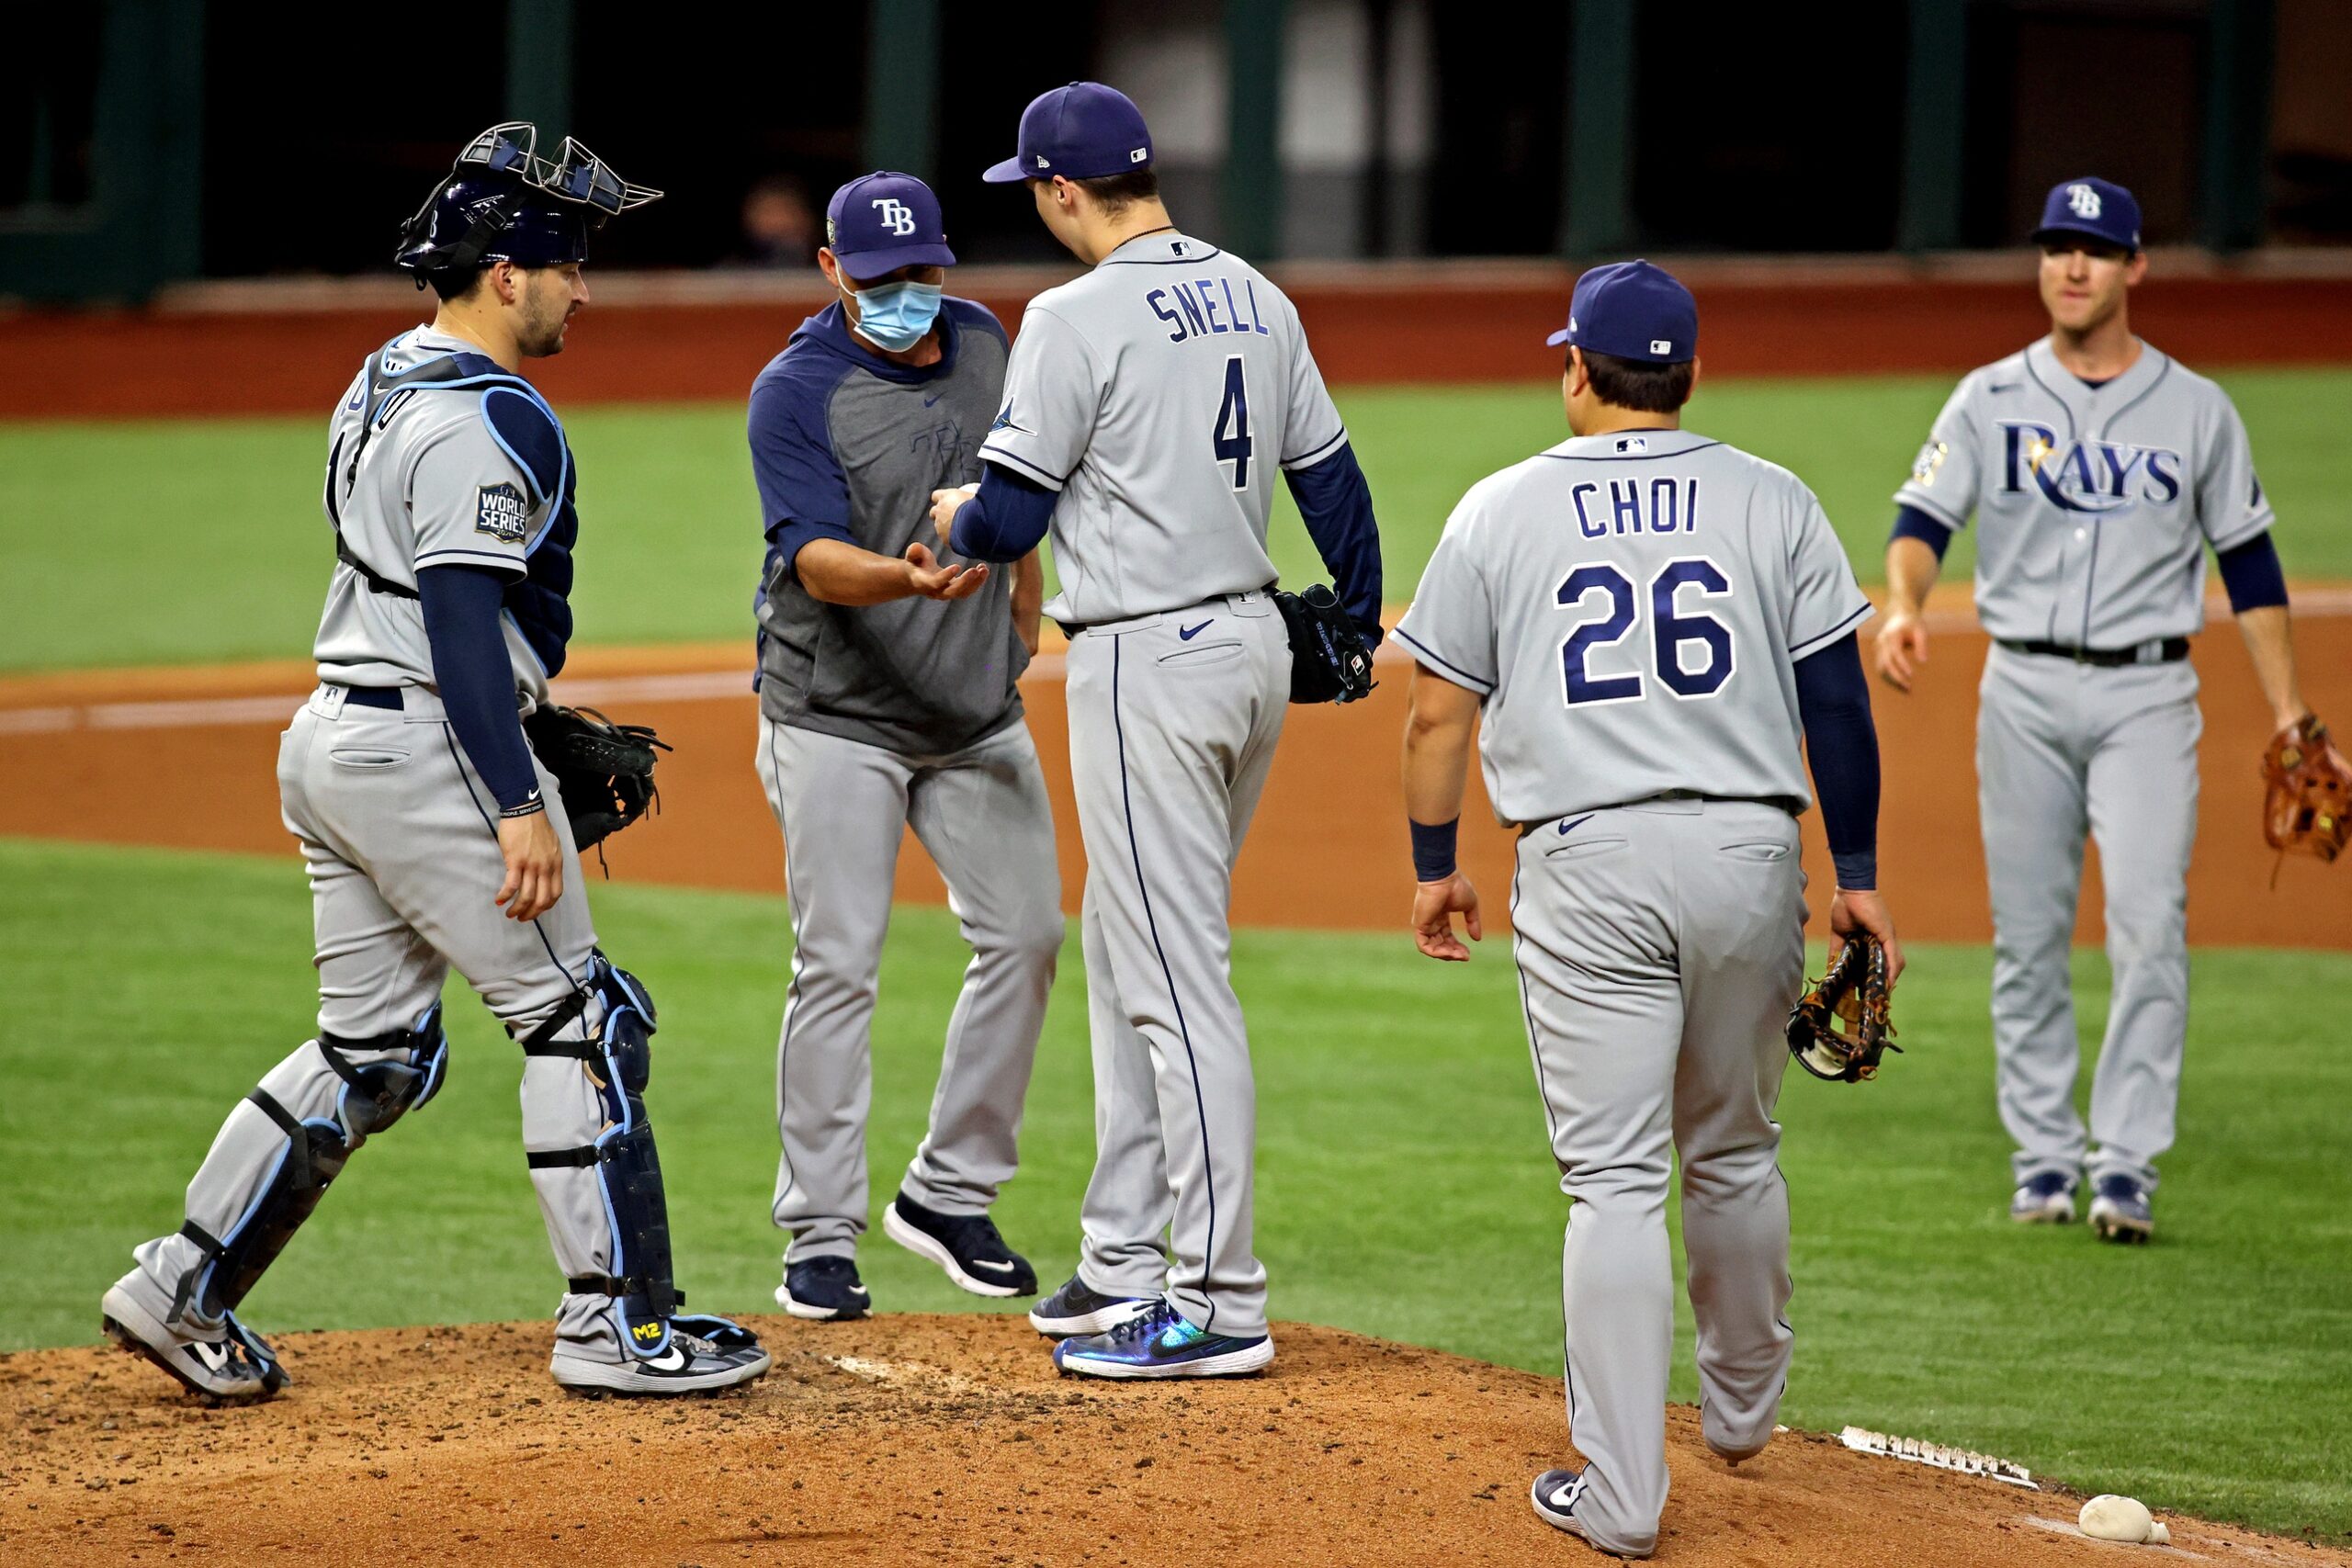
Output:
x,y
888,700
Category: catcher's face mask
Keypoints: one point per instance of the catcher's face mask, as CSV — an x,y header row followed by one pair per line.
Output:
x,y
502,201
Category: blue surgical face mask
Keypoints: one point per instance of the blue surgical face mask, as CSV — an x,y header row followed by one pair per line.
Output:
x,y
896,315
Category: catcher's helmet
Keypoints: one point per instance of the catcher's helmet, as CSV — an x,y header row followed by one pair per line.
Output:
x,y
504,202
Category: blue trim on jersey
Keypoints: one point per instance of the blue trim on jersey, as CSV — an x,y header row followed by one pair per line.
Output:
x,y
1458,676
1310,459
1161,261
998,455
1812,644
1629,456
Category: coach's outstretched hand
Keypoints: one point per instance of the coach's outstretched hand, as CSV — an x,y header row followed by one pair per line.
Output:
x,y
534,866
1852,910
1434,906
933,580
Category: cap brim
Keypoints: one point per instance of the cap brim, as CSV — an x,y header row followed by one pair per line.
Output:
x,y
2052,231
1010,172
1557,338
874,264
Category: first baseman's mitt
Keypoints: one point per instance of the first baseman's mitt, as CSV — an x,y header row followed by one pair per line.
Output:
x,y
2309,808
1329,661
604,770
1853,993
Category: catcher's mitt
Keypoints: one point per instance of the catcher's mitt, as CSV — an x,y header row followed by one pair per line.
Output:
x,y
604,770
1853,993
2309,809
1329,661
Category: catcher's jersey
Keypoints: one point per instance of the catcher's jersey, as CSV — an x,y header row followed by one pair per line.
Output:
x,y
1631,608
2091,503
472,472
1161,394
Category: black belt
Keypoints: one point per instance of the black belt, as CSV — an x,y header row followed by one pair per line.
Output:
x,y
371,697
2172,650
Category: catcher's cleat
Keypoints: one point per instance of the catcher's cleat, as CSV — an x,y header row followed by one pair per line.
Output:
x,y
2119,1209
1854,995
690,1364
824,1289
1079,1308
235,1368
2046,1199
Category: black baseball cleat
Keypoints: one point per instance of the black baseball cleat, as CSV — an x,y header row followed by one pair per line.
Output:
x,y
691,1363
966,1245
236,1367
823,1289
2119,1209
1079,1308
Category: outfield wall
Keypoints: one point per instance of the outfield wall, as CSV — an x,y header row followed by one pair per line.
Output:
x,y
288,347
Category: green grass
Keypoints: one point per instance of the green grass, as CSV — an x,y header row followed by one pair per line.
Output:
x,y
1405,1187
178,541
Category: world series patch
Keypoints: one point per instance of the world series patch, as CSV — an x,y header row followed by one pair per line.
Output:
x,y
501,512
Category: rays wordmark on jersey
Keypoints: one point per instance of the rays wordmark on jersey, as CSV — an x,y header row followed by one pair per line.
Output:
x,y
2086,476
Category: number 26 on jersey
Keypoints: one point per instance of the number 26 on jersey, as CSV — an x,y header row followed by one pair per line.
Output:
x,y
1690,650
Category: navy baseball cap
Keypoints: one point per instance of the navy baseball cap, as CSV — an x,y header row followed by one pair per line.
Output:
x,y
1632,311
1082,131
2100,208
882,221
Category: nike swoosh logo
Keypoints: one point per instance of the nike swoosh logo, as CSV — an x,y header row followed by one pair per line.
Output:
x,y
932,398
1187,634
1570,827
1565,1499
2006,387
1000,1267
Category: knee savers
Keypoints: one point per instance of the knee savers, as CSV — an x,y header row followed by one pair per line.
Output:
x,y
608,1026
375,1094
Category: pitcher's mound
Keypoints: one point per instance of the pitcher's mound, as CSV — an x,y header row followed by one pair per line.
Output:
x,y
925,1439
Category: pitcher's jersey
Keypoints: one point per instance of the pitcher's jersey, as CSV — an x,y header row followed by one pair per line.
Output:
x,y
2092,504
1631,608
1161,394
471,472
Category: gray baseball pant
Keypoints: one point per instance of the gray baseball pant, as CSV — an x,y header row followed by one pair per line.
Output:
x,y
1172,737
983,816
2063,749
1660,946
399,837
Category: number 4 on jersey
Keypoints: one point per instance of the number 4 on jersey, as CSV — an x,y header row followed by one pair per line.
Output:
x,y
1231,437
1670,629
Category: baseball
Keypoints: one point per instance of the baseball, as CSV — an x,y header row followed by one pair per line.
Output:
x,y
2109,1517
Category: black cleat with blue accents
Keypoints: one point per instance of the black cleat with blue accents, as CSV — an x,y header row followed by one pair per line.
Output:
x,y
824,1289
1163,1344
1079,1308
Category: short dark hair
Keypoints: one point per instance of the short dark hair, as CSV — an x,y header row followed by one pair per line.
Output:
x,y
457,283
1116,193
1632,384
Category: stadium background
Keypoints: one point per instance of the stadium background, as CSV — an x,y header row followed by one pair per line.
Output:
x,y
192,239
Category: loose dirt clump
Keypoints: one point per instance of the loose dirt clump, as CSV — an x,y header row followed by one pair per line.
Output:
x,y
925,1439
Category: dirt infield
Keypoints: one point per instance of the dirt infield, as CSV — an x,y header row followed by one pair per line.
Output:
x,y
934,1440
187,757
290,348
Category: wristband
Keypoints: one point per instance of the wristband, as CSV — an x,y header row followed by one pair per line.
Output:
x,y
530,807
1432,850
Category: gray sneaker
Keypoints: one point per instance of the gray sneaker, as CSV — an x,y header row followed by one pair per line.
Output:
x,y
691,1363
231,1365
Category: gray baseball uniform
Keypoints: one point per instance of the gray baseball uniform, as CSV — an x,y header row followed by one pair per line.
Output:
x,y
1160,394
1630,608
875,719
2093,507
398,834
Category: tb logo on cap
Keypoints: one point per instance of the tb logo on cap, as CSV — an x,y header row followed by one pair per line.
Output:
x,y
897,216
2084,200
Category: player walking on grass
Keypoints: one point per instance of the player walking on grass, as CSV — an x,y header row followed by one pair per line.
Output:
x,y
1147,406
887,700
1648,621
2098,470
433,838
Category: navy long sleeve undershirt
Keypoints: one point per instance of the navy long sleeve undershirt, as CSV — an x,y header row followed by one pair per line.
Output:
x,y
1337,505
1910,523
2252,574
1841,744
1006,520
475,680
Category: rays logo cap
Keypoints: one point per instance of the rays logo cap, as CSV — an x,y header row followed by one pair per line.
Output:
x,y
2101,210
1083,131
1632,311
882,221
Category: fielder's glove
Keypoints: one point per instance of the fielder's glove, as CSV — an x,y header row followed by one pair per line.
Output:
x,y
2308,807
1329,660
604,770
1854,994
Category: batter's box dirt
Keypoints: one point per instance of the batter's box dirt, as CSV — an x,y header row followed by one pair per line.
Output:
x,y
907,1439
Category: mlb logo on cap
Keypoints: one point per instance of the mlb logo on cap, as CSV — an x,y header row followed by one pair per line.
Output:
x,y
1632,311
1082,131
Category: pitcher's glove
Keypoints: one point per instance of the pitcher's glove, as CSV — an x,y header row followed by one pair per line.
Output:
x,y
2308,807
604,770
1329,660
1853,994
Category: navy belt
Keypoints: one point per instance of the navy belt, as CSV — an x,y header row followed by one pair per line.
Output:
x,y
2171,650
372,697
